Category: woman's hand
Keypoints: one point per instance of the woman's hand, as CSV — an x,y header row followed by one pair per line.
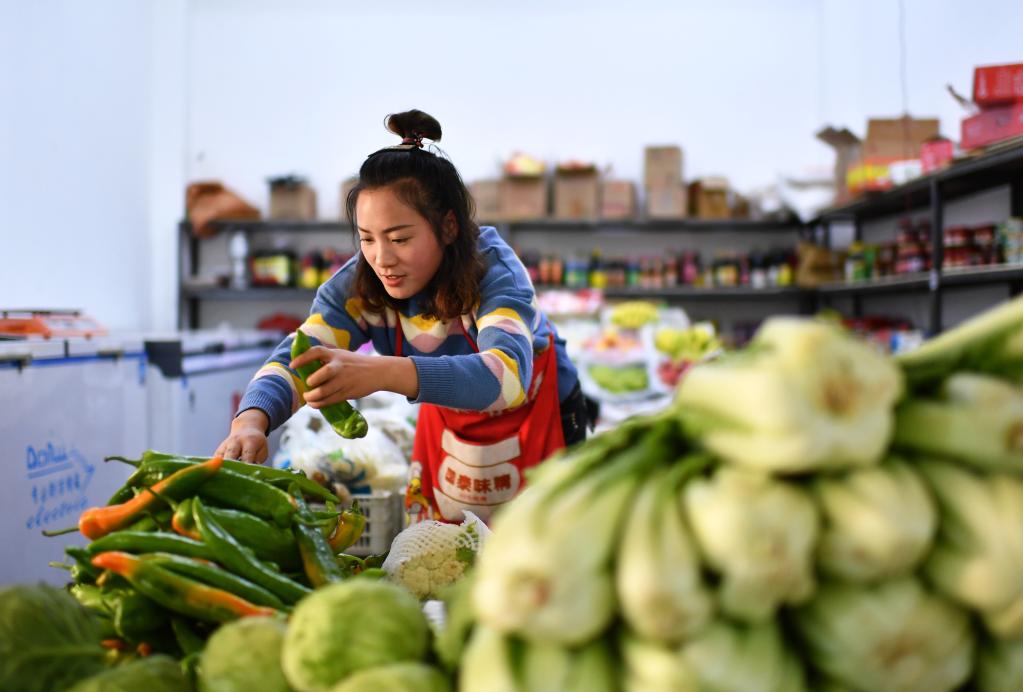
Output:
x,y
247,441
345,375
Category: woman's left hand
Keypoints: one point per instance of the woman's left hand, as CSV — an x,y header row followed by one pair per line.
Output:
x,y
345,375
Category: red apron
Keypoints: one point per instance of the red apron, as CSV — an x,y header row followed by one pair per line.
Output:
x,y
475,460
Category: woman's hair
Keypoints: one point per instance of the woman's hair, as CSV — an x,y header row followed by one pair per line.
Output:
x,y
429,184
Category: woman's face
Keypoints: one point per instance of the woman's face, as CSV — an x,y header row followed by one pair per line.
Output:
x,y
398,243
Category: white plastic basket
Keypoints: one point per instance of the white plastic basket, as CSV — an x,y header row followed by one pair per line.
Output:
x,y
384,521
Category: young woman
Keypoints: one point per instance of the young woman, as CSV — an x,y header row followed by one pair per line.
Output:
x,y
452,313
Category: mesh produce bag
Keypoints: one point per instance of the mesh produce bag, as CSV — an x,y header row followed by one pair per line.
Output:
x,y
430,555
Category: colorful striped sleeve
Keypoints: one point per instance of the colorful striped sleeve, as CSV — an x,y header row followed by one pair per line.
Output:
x,y
336,321
498,376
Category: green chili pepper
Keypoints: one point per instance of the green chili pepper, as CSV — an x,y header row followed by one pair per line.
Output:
x,y
240,560
317,557
281,478
82,572
135,542
134,615
229,489
211,574
374,560
343,417
188,639
179,594
90,597
96,522
267,541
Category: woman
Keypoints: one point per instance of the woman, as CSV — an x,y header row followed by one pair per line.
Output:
x,y
452,312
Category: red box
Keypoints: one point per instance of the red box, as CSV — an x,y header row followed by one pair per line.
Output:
x,y
935,153
997,84
992,125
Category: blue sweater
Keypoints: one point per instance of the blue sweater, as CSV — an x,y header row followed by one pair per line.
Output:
x,y
507,327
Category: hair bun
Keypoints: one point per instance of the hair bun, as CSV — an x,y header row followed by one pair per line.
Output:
x,y
414,124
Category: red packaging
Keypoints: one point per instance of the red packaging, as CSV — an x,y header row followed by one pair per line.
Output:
x,y
992,125
935,153
997,84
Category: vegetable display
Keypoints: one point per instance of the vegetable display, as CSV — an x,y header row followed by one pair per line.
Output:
x,y
810,515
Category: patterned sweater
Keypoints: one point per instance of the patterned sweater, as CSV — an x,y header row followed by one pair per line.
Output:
x,y
507,327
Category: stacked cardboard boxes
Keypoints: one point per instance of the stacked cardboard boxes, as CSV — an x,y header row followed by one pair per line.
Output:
x,y
998,90
576,192
662,181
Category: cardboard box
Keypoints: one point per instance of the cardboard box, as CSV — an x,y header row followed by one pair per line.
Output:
x,y
523,198
708,198
617,200
576,193
666,202
346,186
992,125
292,198
890,154
662,167
995,85
487,196
898,138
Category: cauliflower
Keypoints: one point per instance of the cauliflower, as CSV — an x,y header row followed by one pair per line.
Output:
x,y
429,555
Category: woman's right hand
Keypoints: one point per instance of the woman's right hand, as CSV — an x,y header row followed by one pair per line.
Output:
x,y
247,441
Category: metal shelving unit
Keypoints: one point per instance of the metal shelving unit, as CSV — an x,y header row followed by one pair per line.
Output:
x,y
998,165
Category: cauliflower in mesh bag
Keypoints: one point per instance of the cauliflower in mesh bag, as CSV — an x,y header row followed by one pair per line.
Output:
x,y
430,555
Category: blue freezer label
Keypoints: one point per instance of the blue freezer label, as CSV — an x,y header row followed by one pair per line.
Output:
x,y
59,477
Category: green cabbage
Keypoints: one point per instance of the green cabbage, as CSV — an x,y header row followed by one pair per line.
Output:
x,y
244,655
47,640
396,677
349,626
151,674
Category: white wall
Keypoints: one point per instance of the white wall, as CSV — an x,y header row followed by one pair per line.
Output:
x,y
108,108
742,85
75,114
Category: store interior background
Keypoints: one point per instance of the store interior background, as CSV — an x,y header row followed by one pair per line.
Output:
x,y
111,107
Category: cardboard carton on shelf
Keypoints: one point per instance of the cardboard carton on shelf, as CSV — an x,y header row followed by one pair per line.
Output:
x,y
708,198
997,85
486,194
292,198
522,198
890,153
992,125
617,200
662,167
666,202
576,192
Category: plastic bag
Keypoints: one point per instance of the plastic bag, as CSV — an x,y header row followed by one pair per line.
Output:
x,y
372,463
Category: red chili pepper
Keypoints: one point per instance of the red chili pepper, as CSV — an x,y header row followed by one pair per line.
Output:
x,y
99,521
177,593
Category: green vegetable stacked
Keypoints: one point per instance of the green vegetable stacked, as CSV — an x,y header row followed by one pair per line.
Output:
x,y
811,515
190,543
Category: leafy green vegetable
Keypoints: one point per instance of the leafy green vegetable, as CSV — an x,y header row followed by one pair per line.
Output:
x,y
152,674
47,640
244,655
